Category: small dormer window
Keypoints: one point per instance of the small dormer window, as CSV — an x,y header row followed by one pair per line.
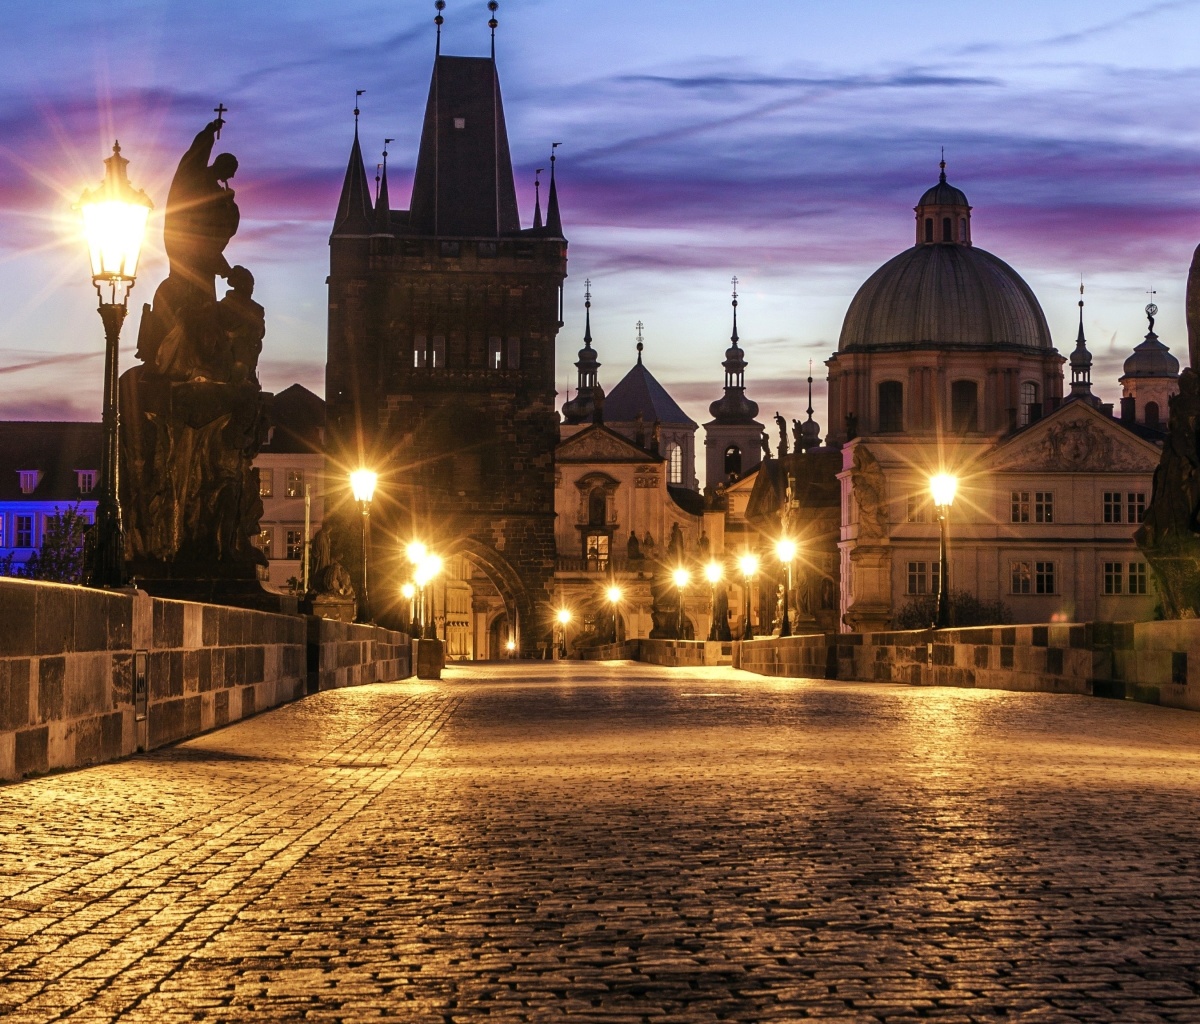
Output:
x,y
29,480
86,479
460,122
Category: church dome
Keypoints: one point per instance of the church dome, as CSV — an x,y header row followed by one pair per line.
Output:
x,y
944,194
945,295
1151,358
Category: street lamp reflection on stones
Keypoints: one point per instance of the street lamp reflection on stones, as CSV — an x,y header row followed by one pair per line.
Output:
x,y
362,483
749,566
114,224
943,487
713,573
563,617
786,551
681,578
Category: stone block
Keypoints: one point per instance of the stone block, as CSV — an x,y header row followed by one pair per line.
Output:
x,y
52,682
88,746
54,619
168,624
210,634
92,609
8,755
158,671
191,716
193,625
166,722
249,706
112,735
31,751
204,679
430,658
88,684
18,608
121,675
221,707
1054,661
15,703
142,621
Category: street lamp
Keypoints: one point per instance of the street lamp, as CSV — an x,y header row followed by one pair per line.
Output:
x,y
786,551
563,617
681,577
713,573
749,566
614,598
409,592
943,486
362,483
428,568
114,224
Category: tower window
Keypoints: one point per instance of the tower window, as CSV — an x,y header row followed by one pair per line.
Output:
x,y
1152,414
1030,410
597,507
964,406
674,463
947,230
437,353
733,461
420,354
962,229
929,229
891,407
514,354
494,353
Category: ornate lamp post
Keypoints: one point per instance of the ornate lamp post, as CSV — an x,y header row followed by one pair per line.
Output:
x,y
114,223
429,567
786,550
362,483
943,487
681,578
409,593
563,617
749,566
713,573
614,598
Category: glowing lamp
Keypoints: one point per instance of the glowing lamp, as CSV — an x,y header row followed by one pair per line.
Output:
x,y
114,224
681,577
713,572
786,550
748,564
362,483
408,591
614,594
943,487
416,552
564,616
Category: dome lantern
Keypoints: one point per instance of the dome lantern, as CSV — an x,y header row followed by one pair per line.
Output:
x,y
943,214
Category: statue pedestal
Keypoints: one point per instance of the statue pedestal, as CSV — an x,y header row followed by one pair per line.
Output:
x,y
330,606
429,658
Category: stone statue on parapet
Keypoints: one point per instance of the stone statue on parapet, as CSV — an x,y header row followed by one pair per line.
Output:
x,y
781,423
193,414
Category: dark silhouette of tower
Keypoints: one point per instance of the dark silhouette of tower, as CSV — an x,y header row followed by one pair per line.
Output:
x,y
440,372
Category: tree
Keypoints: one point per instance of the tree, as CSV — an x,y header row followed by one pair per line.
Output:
x,y
965,610
60,558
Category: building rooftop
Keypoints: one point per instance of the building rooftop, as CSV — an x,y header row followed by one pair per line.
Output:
x,y
56,450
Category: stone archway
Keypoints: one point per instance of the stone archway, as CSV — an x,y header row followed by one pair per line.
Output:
x,y
508,582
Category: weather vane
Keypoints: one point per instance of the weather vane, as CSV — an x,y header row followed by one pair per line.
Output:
x,y
357,94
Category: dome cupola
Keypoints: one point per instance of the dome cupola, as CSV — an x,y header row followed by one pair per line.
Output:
x,y
1151,358
943,214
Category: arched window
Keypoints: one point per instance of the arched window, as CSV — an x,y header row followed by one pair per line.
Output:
x,y
947,230
733,461
674,464
597,507
929,229
962,229
1030,409
964,406
891,407
1152,414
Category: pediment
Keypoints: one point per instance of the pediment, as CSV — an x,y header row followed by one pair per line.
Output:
x,y
1075,438
599,444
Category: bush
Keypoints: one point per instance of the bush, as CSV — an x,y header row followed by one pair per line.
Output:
x,y
60,558
965,610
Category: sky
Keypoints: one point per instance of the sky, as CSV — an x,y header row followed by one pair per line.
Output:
x,y
784,141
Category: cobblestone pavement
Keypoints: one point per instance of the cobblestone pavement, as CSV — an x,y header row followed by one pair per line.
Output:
x,y
619,843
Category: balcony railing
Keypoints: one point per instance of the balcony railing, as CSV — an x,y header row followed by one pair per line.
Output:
x,y
601,566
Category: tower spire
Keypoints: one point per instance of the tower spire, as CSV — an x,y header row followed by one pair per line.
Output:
x,y
553,218
1081,362
640,344
537,198
734,406
355,210
587,313
492,23
588,403
383,206
942,165
440,5
734,337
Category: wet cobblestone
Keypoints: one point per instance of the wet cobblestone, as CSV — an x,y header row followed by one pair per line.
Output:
x,y
619,843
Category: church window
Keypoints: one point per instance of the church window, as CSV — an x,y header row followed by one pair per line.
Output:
x,y
1113,502
891,407
674,464
964,406
266,483
1043,506
733,461
23,531
513,356
1022,577
1113,577
419,352
1043,578
1030,410
1137,577
437,353
1020,507
1136,507
929,229
1151,414
494,353
947,230
597,507
918,508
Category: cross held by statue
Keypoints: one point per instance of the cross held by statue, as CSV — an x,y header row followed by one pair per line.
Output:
x,y
220,110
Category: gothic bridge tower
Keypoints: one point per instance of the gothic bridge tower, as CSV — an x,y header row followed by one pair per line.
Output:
x,y
440,368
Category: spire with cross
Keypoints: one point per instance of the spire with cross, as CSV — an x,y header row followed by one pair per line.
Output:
x,y
640,344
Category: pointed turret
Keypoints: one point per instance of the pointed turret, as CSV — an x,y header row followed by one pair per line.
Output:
x,y
537,199
355,212
810,429
553,218
589,395
734,406
383,210
1081,365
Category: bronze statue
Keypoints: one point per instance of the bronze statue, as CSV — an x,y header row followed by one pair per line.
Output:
x,y
766,444
781,423
633,549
